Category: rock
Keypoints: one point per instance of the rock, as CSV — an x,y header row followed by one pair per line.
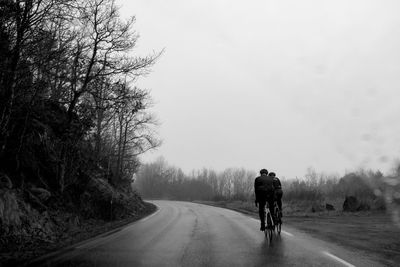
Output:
x,y
329,207
351,204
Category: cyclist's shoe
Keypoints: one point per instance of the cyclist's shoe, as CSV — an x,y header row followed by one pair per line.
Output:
x,y
262,228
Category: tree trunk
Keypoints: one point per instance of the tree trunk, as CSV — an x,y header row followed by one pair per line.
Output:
x,y
117,174
124,143
98,133
10,82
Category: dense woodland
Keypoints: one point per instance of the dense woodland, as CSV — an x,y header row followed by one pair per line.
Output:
x,y
314,190
72,121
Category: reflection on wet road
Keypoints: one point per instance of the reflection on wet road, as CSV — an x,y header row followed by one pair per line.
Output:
x,y
190,234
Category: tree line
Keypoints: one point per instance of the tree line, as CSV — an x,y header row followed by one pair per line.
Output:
x,y
68,100
161,180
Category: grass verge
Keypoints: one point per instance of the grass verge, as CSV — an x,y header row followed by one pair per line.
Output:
x,y
371,233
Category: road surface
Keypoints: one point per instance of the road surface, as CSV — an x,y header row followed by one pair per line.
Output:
x,y
190,234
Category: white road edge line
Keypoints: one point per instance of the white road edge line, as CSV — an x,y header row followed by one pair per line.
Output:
x,y
102,239
87,246
287,233
148,217
338,259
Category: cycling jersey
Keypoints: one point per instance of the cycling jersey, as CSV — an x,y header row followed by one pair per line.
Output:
x,y
264,189
263,183
277,183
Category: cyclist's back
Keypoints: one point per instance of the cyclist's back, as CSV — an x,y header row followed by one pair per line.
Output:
x,y
264,191
278,190
277,182
264,184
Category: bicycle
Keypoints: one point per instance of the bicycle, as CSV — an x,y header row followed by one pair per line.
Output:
x,y
270,227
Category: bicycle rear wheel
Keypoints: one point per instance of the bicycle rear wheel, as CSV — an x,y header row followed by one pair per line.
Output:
x,y
269,228
268,233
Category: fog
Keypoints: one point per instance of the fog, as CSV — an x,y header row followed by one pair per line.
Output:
x,y
282,85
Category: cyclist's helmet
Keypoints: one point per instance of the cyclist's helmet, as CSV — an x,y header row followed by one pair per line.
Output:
x,y
272,174
263,171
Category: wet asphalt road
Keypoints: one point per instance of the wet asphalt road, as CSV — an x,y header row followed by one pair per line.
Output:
x,y
190,234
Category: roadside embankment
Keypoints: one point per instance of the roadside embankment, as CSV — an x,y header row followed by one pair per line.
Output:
x,y
34,221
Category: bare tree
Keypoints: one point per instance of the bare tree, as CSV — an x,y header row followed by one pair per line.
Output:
x,y
72,57
103,42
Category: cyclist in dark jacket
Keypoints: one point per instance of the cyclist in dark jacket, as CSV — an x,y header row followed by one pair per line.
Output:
x,y
278,190
264,191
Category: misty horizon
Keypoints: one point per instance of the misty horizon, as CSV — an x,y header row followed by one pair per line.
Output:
x,y
277,85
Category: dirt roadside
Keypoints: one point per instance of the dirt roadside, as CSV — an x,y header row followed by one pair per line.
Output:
x,y
373,233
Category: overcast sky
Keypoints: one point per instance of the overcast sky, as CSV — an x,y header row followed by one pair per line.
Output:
x,y
282,85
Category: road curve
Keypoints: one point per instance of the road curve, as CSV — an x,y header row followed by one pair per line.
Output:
x,y
190,234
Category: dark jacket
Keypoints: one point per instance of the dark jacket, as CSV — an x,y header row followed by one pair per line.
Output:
x,y
277,183
263,185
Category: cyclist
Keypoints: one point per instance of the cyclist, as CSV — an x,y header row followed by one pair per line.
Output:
x,y
278,190
264,191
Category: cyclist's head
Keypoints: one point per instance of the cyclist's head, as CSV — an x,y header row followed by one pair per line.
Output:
x,y
272,174
263,171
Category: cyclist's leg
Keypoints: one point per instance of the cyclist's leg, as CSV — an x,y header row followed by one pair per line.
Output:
x,y
270,201
261,206
279,200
